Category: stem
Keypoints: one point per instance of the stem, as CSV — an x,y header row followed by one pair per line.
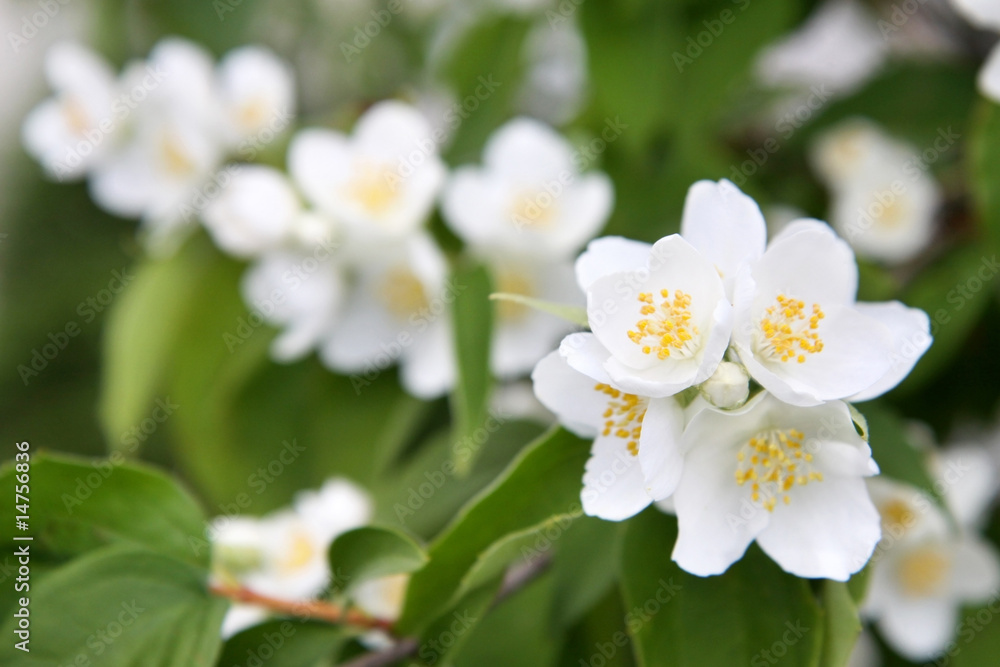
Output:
x,y
313,609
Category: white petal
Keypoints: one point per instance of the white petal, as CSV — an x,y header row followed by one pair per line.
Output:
x,y
725,225
613,487
320,164
258,89
584,353
989,76
583,207
828,530
239,617
473,205
338,506
570,395
807,259
428,368
975,570
661,453
607,255
527,151
919,628
390,129
910,330
254,213
981,13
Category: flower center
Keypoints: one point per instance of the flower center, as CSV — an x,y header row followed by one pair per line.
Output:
x,y
897,517
533,211
75,115
788,332
253,113
923,571
773,462
175,159
668,330
374,187
402,293
623,416
891,215
511,282
299,554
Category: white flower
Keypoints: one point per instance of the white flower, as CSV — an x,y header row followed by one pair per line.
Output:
x,y
838,47
989,76
528,197
259,211
966,475
298,291
920,581
521,334
981,13
631,434
517,399
65,132
556,81
398,310
885,202
790,478
381,598
382,181
284,554
799,331
660,327
256,91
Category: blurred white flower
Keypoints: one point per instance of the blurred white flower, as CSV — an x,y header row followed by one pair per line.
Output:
x,y
518,400
383,599
301,292
885,201
790,478
382,181
284,554
529,196
73,130
966,474
258,211
521,334
398,310
982,13
839,47
555,85
921,579
256,89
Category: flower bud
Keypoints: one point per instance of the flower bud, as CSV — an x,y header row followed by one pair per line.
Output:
x,y
728,387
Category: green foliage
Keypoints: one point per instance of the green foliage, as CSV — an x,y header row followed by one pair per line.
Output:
x,y
291,642
371,552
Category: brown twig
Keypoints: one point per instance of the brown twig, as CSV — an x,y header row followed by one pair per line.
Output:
x,y
313,609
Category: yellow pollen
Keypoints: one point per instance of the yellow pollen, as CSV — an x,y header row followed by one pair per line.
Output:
x,y
923,571
532,210
75,115
253,113
776,465
891,215
623,416
176,161
374,187
897,516
667,331
301,552
402,293
512,282
790,333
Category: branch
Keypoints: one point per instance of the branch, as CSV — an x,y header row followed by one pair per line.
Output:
x,y
403,649
314,609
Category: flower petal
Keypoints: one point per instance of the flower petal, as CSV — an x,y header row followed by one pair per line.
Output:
x,y
919,628
910,329
570,395
613,487
661,453
610,254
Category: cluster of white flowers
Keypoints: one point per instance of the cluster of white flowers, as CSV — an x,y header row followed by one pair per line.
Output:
x,y
151,140
284,555
985,14
678,331
342,260
931,562
885,201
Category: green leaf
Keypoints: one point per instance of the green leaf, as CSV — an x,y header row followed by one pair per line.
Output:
x,y
842,625
585,567
121,606
142,328
745,616
372,552
544,481
446,635
114,501
892,450
289,643
572,314
977,640
473,319
984,149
